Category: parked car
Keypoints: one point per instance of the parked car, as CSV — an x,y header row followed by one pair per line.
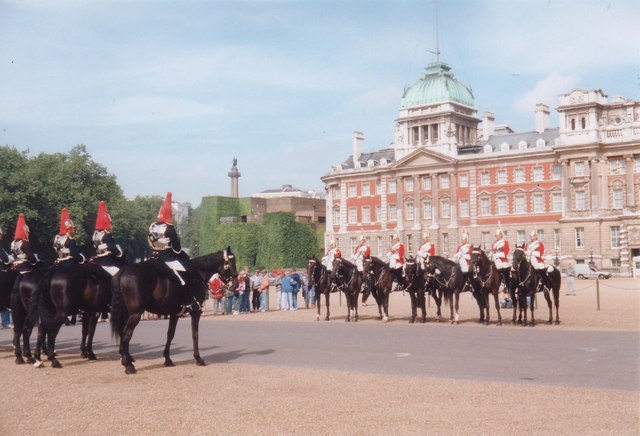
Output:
x,y
585,271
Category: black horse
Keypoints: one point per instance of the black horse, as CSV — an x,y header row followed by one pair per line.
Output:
x,y
380,279
68,290
419,287
144,287
24,286
486,279
348,280
529,282
319,278
446,276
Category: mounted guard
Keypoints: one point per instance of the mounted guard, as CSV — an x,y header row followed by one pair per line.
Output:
x,y
426,249
109,255
463,254
64,244
535,251
396,261
165,244
500,251
332,253
362,252
25,258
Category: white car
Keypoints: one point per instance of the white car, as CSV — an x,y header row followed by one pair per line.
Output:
x,y
584,271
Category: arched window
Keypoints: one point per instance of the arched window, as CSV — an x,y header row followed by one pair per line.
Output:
x,y
583,123
573,124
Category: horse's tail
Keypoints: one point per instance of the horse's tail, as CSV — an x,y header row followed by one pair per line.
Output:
x,y
119,312
39,301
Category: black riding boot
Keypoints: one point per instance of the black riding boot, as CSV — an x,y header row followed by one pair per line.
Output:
x,y
506,276
544,280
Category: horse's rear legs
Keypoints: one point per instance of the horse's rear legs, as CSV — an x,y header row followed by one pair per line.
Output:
x,y
195,323
125,358
171,331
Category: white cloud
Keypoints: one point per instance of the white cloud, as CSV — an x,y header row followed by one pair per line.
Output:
x,y
545,91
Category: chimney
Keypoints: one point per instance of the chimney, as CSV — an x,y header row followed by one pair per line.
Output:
x,y
542,117
488,124
358,145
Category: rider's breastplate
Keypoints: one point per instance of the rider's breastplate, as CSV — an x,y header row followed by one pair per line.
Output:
x,y
101,247
157,238
59,243
16,247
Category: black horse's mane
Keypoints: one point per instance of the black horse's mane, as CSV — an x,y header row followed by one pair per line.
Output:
x,y
442,263
203,261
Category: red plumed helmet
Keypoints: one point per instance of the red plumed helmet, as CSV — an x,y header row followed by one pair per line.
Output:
x,y
164,215
103,220
22,230
65,222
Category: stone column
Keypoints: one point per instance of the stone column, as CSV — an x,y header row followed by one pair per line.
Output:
x,y
343,207
417,224
566,191
399,206
631,198
384,205
603,183
453,183
594,173
234,174
435,203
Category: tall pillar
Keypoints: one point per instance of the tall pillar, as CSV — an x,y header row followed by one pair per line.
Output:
x,y
631,197
417,209
453,207
234,174
564,164
594,185
399,205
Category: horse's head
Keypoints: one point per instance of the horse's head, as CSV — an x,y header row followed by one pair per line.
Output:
x,y
312,268
520,261
410,268
338,263
367,265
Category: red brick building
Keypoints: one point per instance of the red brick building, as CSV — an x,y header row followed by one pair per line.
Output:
x,y
448,171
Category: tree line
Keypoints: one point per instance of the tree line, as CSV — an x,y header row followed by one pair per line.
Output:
x,y
40,186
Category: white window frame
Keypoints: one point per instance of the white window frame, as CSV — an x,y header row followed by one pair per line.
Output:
x,y
393,212
408,184
617,198
409,211
520,203
427,209
427,183
579,237
581,200
445,182
464,207
538,203
503,205
352,190
463,180
485,178
538,174
485,206
615,236
556,202
366,214
353,216
502,177
392,186
519,175
445,208
366,189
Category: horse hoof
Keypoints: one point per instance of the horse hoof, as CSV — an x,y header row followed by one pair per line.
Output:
x,y
548,323
92,357
130,370
318,318
169,363
38,364
31,360
499,323
55,364
200,362
84,355
558,322
19,361
385,319
412,320
423,320
486,322
327,319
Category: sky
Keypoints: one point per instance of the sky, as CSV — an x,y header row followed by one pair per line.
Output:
x,y
166,93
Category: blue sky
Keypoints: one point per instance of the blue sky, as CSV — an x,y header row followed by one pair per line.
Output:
x,y
165,93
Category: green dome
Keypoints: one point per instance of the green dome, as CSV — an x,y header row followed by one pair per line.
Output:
x,y
437,85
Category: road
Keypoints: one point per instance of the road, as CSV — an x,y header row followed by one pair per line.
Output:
x,y
572,358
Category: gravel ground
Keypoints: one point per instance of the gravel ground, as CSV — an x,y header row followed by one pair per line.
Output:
x,y
229,398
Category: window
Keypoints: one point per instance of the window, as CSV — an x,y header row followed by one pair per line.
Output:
x,y
573,124
618,198
583,123
502,176
579,169
380,246
503,208
518,175
353,215
445,206
556,172
556,239
484,178
520,237
485,206
615,263
409,238
366,189
408,184
392,186
556,202
352,190
579,237
637,165
426,210
366,214
540,235
617,166
520,204
393,212
538,203
444,181
464,207
445,243
615,237
538,174
378,216
336,216
378,187
409,211
463,180
426,183
581,200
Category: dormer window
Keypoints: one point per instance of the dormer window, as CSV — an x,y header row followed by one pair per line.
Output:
x,y
488,148
540,143
522,145
504,146
371,163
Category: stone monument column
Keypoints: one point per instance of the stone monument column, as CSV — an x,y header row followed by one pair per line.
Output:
x,y
234,174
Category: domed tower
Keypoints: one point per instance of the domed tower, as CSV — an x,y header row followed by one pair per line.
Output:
x,y
437,111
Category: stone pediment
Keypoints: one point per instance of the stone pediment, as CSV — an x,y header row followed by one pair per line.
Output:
x,y
423,157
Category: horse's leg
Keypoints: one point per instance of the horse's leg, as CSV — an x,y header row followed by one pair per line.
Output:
x,y
497,301
414,310
17,333
85,333
40,345
532,307
327,292
556,298
318,304
548,298
385,306
195,336
52,334
423,305
126,358
438,300
355,303
171,331
92,320
454,307
486,308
